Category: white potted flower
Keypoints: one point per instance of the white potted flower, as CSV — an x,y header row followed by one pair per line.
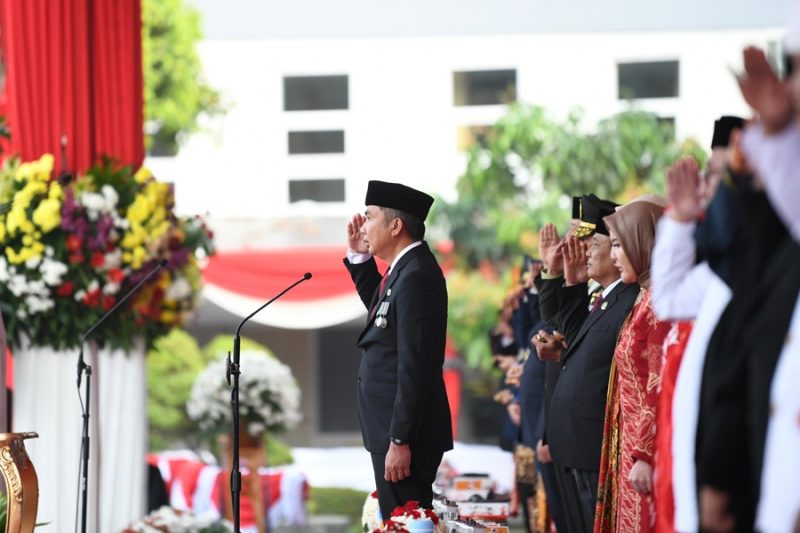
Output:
x,y
269,398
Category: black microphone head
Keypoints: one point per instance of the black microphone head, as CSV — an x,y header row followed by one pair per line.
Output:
x,y
162,263
307,275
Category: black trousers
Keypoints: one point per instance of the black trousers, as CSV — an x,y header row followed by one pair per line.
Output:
x,y
551,487
579,495
586,486
417,487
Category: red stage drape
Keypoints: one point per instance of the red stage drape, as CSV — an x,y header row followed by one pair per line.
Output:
x,y
74,67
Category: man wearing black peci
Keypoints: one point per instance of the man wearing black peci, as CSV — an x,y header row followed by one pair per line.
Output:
x,y
402,404
577,406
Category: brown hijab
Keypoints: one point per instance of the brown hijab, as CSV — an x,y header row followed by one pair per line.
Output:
x,y
635,226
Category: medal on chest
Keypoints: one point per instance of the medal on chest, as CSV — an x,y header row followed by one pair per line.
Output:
x,y
380,315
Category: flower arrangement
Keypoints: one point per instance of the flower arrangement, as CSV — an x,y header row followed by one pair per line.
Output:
x,y
169,520
70,248
403,518
269,398
371,513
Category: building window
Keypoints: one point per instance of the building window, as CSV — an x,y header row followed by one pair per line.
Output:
x,y
316,142
654,79
314,93
469,136
484,87
338,360
317,190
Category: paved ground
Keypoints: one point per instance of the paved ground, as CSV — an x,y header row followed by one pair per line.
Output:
x,y
350,467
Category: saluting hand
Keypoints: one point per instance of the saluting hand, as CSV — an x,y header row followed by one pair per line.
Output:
x,y
355,237
575,267
764,91
548,240
683,190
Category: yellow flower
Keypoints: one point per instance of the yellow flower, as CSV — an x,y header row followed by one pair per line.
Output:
x,y
2,228
169,317
142,175
56,192
48,215
25,253
138,210
18,221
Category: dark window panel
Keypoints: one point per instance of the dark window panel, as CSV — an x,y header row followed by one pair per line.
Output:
x,y
484,87
316,142
310,93
654,79
338,369
323,190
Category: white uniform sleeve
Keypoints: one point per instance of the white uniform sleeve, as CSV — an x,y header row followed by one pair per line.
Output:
x,y
776,159
678,285
356,258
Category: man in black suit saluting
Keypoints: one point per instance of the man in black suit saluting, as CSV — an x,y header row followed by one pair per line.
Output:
x,y
402,404
577,407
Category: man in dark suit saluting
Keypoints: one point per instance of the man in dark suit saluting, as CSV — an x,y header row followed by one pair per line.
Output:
x,y
577,407
402,404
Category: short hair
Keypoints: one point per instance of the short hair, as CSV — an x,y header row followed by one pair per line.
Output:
x,y
414,226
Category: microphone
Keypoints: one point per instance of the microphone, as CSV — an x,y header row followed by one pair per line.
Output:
x,y
161,264
236,340
232,369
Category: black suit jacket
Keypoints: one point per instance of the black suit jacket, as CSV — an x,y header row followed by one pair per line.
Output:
x,y
401,391
577,408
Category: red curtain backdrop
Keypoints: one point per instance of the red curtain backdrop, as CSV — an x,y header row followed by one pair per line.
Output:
x,y
74,67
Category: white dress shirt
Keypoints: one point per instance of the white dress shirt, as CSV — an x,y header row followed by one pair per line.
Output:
x,y
684,291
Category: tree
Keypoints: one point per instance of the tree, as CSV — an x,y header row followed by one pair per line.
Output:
x,y
172,366
175,94
523,175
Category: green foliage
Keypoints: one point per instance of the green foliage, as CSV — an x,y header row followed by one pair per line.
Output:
x,y
172,366
522,177
220,345
337,501
472,313
175,93
278,452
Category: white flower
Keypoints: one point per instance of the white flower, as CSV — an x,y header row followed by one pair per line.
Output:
x,y
179,289
94,204
110,196
52,271
111,288
37,305
17,285
4,273
33,262
371,514
114,259
269,397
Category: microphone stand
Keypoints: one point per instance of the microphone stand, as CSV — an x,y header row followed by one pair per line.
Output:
x,y
83,468
232,368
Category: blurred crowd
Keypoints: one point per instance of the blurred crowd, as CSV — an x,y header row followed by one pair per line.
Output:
x,y
650,353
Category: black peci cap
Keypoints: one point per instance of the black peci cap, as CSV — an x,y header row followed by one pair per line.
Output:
x,y
723,128
400,197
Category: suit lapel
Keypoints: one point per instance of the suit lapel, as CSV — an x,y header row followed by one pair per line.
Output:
x,y
393,276
608,302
